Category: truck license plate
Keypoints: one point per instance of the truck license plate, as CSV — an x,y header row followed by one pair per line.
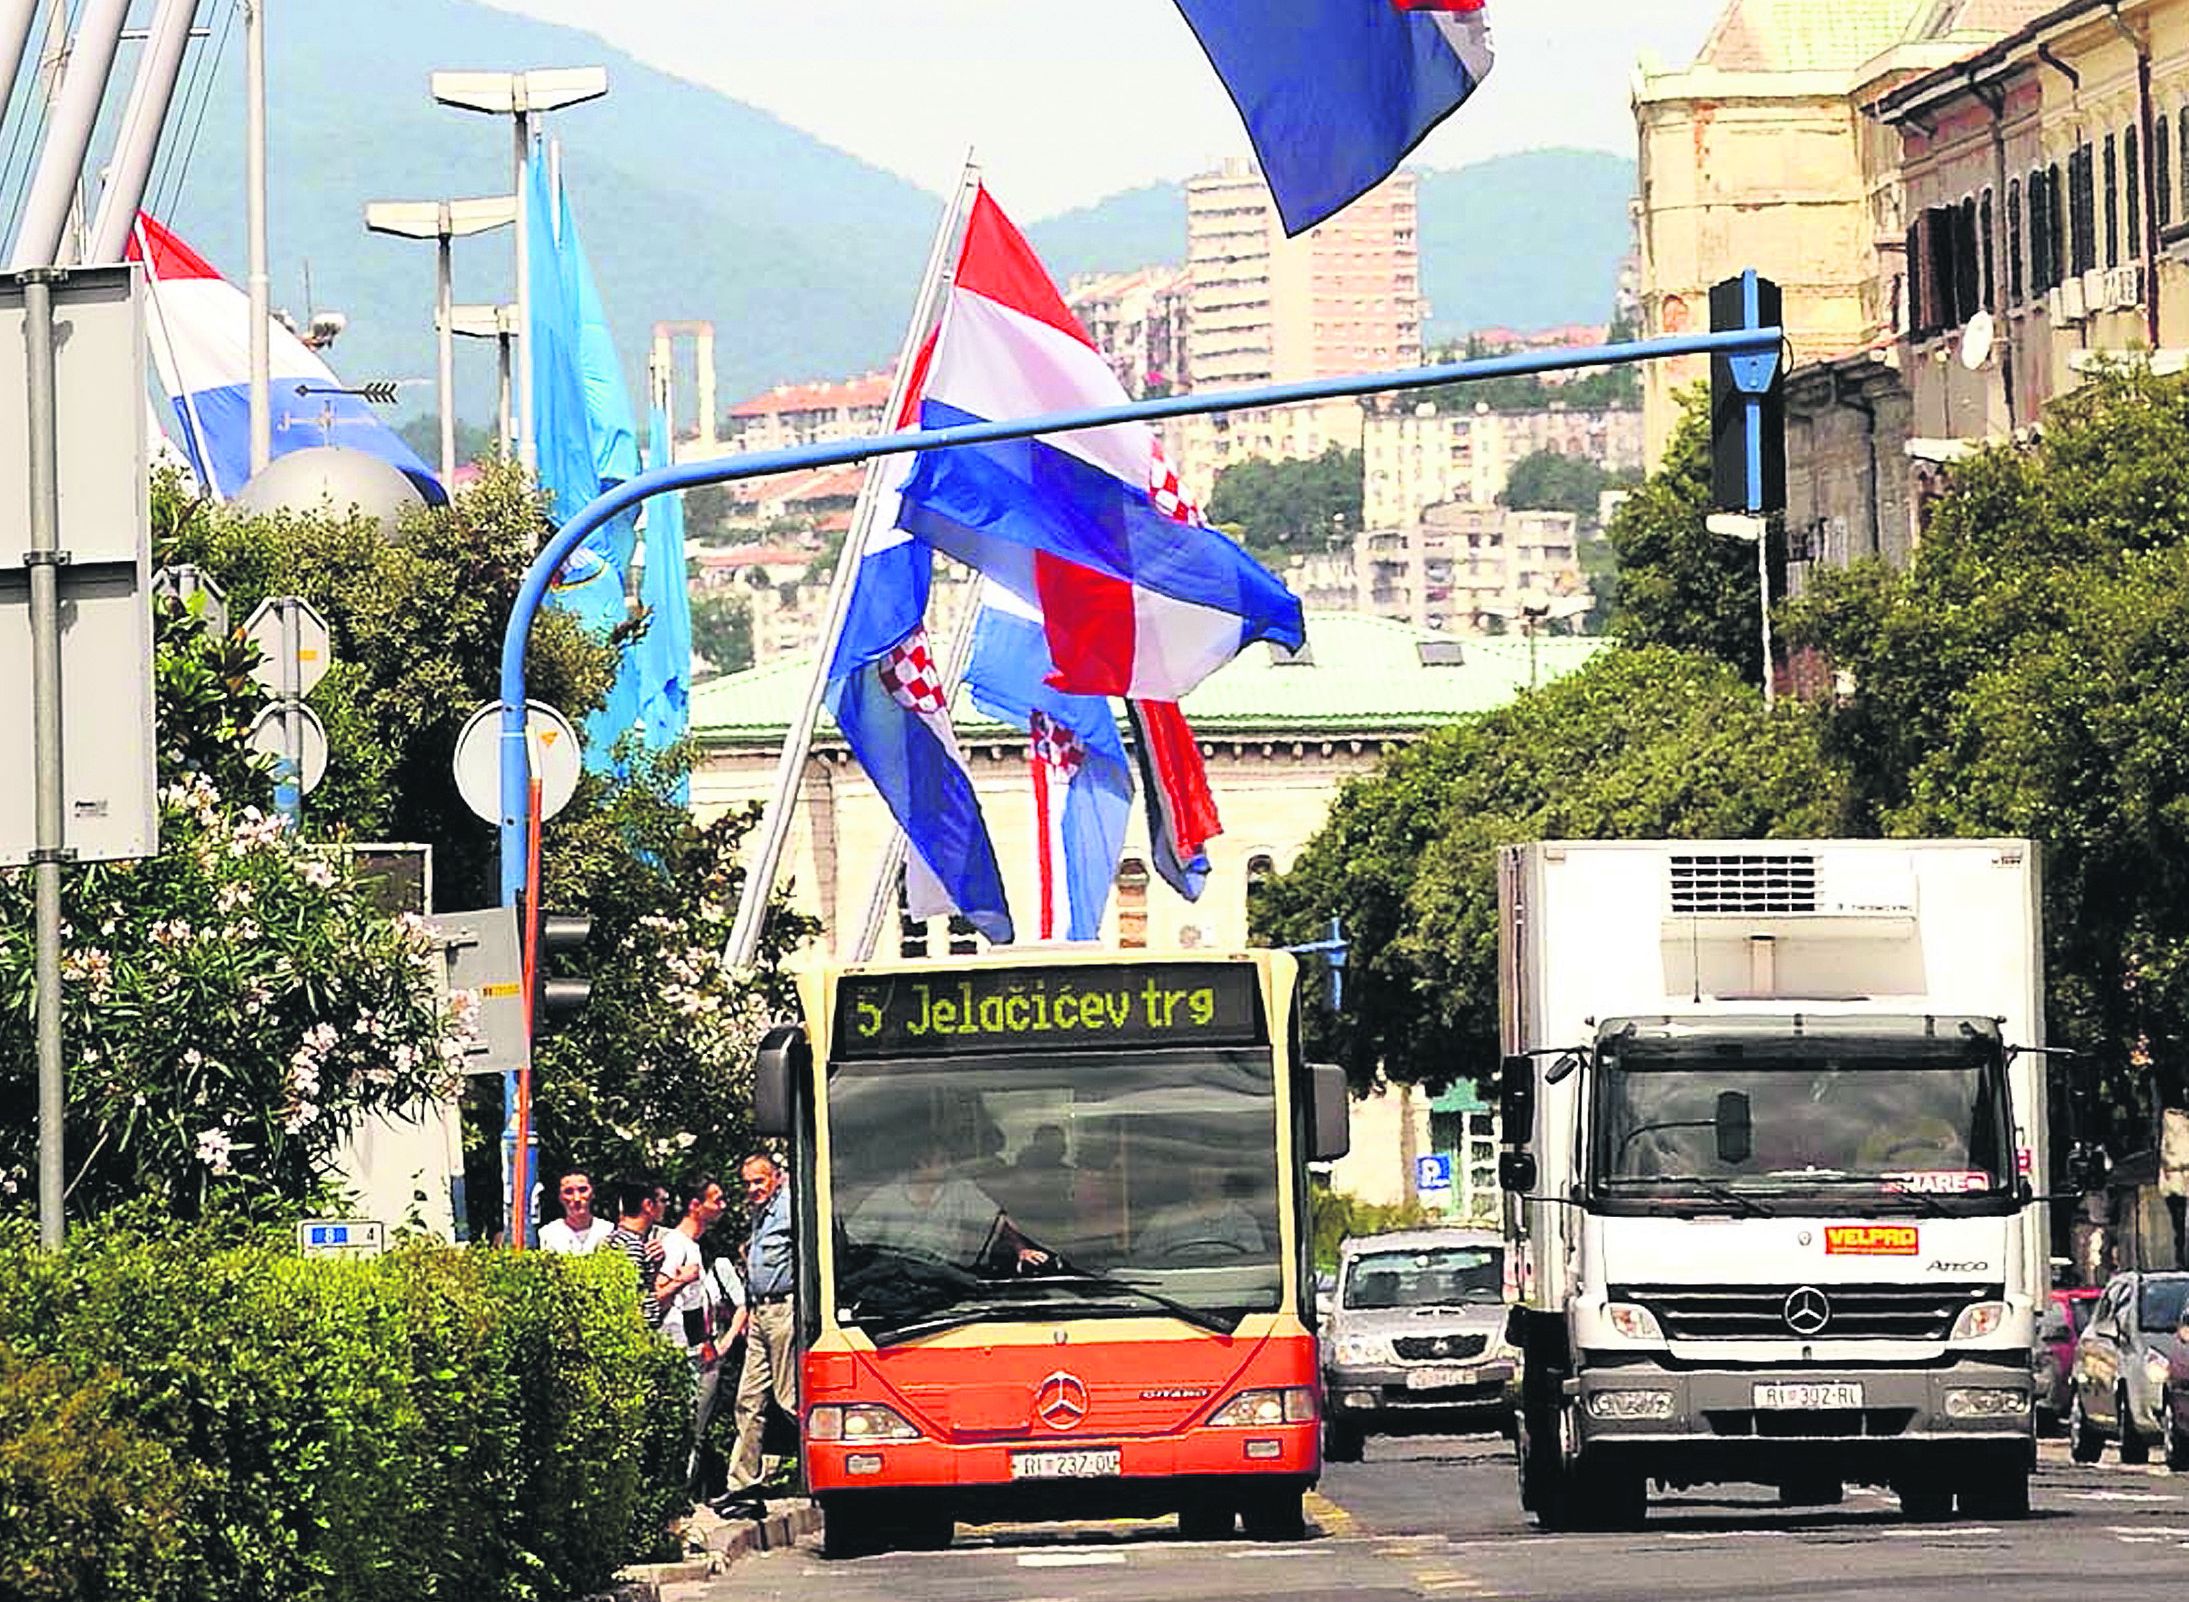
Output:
x,y
1083,1465
1810,1394
1438,1379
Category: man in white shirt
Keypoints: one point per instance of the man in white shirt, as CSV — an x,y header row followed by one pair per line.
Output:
x,y
938,1213
695,1321
577,1231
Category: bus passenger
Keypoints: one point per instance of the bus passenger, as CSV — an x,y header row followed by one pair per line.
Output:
x,y
1211,1225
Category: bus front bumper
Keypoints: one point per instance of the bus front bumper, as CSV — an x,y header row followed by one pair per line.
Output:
x,y
1159,1474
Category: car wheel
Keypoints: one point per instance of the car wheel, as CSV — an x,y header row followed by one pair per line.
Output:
x,y
2134,1448
2172,1434
2084,1444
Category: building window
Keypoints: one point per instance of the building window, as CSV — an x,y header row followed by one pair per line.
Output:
x,y
1967,275
2112,207
2162,177
2056,210
964,938
1983,246
911,931
2082,206
2014,241
2132,190
2040,234
1132,904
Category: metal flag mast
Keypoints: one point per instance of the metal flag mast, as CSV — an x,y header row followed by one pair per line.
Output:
x,y
881,474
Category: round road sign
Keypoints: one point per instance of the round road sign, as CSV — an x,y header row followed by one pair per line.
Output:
x,y
479,759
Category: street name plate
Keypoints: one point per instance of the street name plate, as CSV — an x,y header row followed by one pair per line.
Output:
x,y
1809,1394
1080,1465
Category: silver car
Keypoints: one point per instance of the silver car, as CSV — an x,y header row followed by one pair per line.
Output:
x,y
1415,1340
2122,1365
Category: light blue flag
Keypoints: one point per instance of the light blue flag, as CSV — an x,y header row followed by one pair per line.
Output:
x,y
663,657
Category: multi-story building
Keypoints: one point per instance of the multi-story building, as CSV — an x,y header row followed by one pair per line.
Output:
x,y
1468,568
1138,320
807,414
1759,154
1414,456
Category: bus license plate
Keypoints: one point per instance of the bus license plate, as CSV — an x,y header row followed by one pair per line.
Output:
x,y
1833,1394
1438,1379
1084,1465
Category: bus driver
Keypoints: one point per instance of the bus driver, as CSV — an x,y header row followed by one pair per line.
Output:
x,y
940,1214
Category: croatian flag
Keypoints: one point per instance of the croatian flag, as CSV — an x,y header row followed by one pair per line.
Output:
x,y
1335,93
1138,596
1181,811
200,330
1082,783
889,699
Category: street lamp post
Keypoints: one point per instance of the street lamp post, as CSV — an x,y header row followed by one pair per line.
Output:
x,y
518,95
1743,526
443,221
498,323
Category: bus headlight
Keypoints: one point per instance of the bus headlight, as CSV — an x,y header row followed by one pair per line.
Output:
x,y
1977,1320
858,1421
1364,1349
1632,1321
1293,1404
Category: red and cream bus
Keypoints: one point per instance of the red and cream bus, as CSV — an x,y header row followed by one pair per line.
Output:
x,y
1055,1255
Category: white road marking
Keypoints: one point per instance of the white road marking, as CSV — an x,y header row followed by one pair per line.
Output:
x,y
2157,1532
1067,1560
2115,1496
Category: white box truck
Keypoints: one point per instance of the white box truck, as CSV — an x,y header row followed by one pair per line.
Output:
x,y
1775,1123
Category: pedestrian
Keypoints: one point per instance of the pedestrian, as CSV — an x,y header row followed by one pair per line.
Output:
x,y
696,1321
578,1231
769,1325
639,1207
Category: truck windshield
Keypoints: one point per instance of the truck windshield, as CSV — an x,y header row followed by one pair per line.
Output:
x,y
1054,1185
1751,1121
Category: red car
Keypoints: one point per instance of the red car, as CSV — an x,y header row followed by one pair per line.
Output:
x,y
2059,1327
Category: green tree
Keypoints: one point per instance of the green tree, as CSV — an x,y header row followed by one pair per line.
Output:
x,y
1290,508
1680,584
722,629
1642,742
1550,481
475,442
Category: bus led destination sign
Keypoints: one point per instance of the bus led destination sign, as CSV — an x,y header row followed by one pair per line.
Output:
x,y
1120,1004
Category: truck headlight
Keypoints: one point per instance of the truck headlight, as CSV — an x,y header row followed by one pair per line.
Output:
x,y
1630,1404
1634,1322
1293,1404
1977,1320
1364,1349
1985,1402
858,1421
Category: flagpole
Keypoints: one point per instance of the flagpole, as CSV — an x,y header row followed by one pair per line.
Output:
x,y
790,768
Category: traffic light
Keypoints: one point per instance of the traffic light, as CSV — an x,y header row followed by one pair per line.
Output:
x,y
556,997
1736,381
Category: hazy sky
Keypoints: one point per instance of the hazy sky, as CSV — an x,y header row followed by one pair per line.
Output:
x,y
1064,104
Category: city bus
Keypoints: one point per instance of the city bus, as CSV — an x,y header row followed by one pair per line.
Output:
x,y
1054,1240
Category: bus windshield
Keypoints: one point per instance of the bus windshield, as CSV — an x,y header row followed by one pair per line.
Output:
x,y
1054,1184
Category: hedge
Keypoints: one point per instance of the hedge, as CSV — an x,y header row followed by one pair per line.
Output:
x,y
233,1420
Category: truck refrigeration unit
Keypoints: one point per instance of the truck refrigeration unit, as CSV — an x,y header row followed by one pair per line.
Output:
x,y
1775,1123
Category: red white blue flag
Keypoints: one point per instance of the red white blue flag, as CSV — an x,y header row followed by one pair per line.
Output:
x,y
1335,93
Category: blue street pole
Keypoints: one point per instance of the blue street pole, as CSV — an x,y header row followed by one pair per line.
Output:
x,y
532,592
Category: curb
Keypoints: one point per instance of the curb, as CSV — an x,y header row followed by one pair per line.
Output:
x,y
717,1543
782,1527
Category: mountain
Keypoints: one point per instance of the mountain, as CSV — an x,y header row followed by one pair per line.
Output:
x,y
694,206
1531,240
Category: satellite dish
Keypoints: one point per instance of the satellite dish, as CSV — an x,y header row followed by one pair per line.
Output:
x,y
1976,340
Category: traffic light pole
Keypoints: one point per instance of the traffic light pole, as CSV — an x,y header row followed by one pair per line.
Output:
x,y
760,880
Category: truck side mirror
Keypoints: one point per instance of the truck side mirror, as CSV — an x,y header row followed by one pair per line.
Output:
x,y
1516,1099
1735,1128
1516,1171
784,1054
1333,1112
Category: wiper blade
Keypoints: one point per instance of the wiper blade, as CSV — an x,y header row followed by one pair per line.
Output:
x,y
935,1323
1104,1284
1718,1192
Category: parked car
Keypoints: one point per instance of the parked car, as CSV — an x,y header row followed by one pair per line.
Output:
x,y
1415,1342
2065,1314
2124,1365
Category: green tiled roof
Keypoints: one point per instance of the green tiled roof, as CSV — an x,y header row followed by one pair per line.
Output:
x,y
1363,674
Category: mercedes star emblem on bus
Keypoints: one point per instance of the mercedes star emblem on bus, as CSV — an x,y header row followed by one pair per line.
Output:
x,y
1061,1400
1807,1311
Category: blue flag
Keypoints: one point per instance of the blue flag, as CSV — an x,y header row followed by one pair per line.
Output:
x,y
664,654
1335,93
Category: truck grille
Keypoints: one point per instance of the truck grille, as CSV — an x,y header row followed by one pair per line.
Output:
x,y
1749,882
1853,1312
1432,1348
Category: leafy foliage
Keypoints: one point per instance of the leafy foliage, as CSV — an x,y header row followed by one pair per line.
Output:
x,y
722,630
1642,742
1601,389
1291,508
430,1423
1680,584
1551,481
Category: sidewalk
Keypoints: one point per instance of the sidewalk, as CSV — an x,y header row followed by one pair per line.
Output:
x,y
713,1543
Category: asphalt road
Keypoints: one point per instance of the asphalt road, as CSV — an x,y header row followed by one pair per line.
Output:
x,y
1437,1518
